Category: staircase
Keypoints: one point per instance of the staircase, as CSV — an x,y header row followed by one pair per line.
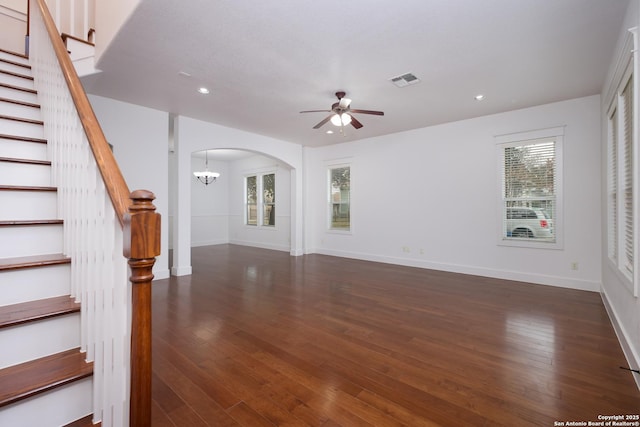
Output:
x,y
44,378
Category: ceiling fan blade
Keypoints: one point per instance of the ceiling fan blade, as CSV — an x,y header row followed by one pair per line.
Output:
x,y
344,102
377,113
323,122
316,111
355,123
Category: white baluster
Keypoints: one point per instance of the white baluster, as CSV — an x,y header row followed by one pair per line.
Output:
x,y
92,236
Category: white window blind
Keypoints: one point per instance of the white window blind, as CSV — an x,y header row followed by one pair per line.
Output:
x,y
622,166
627,102
529,190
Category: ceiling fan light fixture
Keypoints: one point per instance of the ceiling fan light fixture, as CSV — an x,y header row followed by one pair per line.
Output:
x,y
341,119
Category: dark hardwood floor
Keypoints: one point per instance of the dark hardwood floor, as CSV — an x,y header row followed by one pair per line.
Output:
x,y
258,338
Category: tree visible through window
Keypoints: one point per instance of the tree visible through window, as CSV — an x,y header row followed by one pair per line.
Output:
x,y
269,199
252,200
260,199
340,197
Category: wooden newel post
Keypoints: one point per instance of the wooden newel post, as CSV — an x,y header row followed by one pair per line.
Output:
x,y
141,246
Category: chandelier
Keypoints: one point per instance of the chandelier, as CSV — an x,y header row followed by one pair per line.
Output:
x,y
206,176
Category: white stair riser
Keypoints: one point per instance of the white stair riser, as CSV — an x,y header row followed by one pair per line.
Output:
x,y
19,241
5,66
28,205
34,283
23,149
12,80
17,110
18,95
51,409
12,173
14,58
13,127
33,340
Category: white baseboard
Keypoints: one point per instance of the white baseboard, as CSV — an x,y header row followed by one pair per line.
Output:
x,y
181,271
540,279
209,243
633,359
262,245
161,274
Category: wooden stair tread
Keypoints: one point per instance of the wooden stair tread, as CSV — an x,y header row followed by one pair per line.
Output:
x,y
22,89
16,314
13,222
22,119
10,52
17,64
11,73
28,161
37,376
26,188
84,422
17,102
33,261
23,138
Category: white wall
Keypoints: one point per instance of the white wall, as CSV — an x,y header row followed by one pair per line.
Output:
x,y
139,139
623,307
276,237
13,24
210,205
435,191
110,16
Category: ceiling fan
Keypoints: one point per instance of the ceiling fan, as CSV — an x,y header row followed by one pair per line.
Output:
x,y
341,113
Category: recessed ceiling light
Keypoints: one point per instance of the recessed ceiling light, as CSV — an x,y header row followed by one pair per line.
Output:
x,y
184,74
479,97
329,131
203,90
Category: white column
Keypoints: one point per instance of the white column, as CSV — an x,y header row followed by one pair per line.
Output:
x,y
182,214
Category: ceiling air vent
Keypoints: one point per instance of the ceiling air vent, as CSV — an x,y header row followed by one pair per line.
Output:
x,y
404,80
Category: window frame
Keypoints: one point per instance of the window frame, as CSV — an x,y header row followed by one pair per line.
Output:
x,y
260,203
329,168
619,169
522,139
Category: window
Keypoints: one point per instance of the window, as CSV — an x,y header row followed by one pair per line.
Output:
x,y
269,199
340,198
620,165
530,187
260,197
252,200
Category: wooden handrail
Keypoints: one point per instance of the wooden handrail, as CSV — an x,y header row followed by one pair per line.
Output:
x,y
66,36
114,181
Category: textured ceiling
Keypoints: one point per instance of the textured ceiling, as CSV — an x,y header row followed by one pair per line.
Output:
x,y
264,61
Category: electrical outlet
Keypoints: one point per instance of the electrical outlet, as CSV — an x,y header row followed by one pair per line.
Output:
x,y
574,265
406,249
